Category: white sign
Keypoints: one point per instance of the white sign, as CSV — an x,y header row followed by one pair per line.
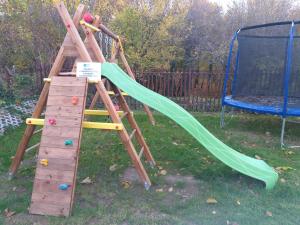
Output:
x,y
90,70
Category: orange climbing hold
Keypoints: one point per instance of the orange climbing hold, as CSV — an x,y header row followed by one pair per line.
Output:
x,y
75,100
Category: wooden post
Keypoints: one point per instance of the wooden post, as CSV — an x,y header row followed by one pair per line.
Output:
x,y
131,74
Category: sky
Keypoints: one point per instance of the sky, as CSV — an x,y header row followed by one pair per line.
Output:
x,y
223,3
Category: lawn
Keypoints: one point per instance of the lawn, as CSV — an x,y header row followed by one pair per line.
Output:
x,y
187,177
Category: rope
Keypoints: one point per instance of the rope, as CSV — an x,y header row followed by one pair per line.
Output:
x,y
120,43
113,47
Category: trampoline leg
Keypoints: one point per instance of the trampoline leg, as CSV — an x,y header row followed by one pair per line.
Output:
x,y
222,117
282,133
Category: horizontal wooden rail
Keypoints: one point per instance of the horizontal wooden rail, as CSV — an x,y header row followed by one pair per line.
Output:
x,y
91,81
86,124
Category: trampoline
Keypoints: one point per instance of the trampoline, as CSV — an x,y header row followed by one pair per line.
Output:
x,y
263,71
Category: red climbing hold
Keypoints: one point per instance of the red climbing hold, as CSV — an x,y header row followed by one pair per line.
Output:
x,y
117,107
87,17
75,100
52,121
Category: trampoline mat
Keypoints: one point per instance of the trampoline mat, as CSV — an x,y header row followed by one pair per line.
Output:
x,y
265,104
274,101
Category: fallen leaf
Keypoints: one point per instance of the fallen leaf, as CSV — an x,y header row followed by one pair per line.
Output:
x,y
170,189
281,169
126,184
160,167
163,172
290,152
113,167
86,180
159,190
257,157
268,213
282,180
211,201
174,143
238,202
8,213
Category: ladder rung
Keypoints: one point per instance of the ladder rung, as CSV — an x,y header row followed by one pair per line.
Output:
x,y
32,147
67,73
141,152
124,114
131,135
37,131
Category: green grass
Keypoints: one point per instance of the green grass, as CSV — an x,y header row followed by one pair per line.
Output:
x,y
196,175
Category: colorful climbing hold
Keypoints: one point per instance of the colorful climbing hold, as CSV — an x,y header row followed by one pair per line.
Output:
x,y
68,142
75,100
64,187
87,17
117,107
52,121
44,162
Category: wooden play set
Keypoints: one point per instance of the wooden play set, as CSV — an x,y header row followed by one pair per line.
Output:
x,y
64,99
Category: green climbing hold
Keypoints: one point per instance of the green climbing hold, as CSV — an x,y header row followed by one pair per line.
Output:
x,y
68,142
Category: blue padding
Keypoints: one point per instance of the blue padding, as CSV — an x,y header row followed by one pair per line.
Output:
x,y
260,108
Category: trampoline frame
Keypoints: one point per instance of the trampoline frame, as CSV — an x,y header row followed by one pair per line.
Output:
x,y
284,112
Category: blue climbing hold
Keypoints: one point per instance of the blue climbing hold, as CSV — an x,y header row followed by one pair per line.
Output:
x,y
64,187
68,142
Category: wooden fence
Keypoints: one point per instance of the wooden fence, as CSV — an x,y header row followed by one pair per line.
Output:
x,y
194,91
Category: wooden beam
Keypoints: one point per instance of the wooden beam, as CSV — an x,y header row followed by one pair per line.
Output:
x,y
131,74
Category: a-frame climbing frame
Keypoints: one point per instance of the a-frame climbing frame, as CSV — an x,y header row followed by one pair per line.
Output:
x,y
53,191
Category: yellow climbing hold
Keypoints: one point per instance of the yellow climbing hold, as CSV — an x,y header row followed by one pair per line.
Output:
x,y
44,162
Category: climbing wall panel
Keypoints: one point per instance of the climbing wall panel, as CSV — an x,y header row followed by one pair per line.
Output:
x,y
57,161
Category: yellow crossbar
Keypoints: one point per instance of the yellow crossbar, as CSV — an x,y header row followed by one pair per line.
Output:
x,y
99,112
89,26
113,93
103,126
93,125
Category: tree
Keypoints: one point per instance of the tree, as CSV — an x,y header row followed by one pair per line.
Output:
x,y
153,34
205,42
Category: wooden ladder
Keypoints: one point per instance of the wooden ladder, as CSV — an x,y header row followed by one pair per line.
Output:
x,y
126,137
55,177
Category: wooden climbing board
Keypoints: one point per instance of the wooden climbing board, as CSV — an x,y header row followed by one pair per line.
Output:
x,y
55,177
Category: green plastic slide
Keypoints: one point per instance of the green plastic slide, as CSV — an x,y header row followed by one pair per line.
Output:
x,y
249,166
